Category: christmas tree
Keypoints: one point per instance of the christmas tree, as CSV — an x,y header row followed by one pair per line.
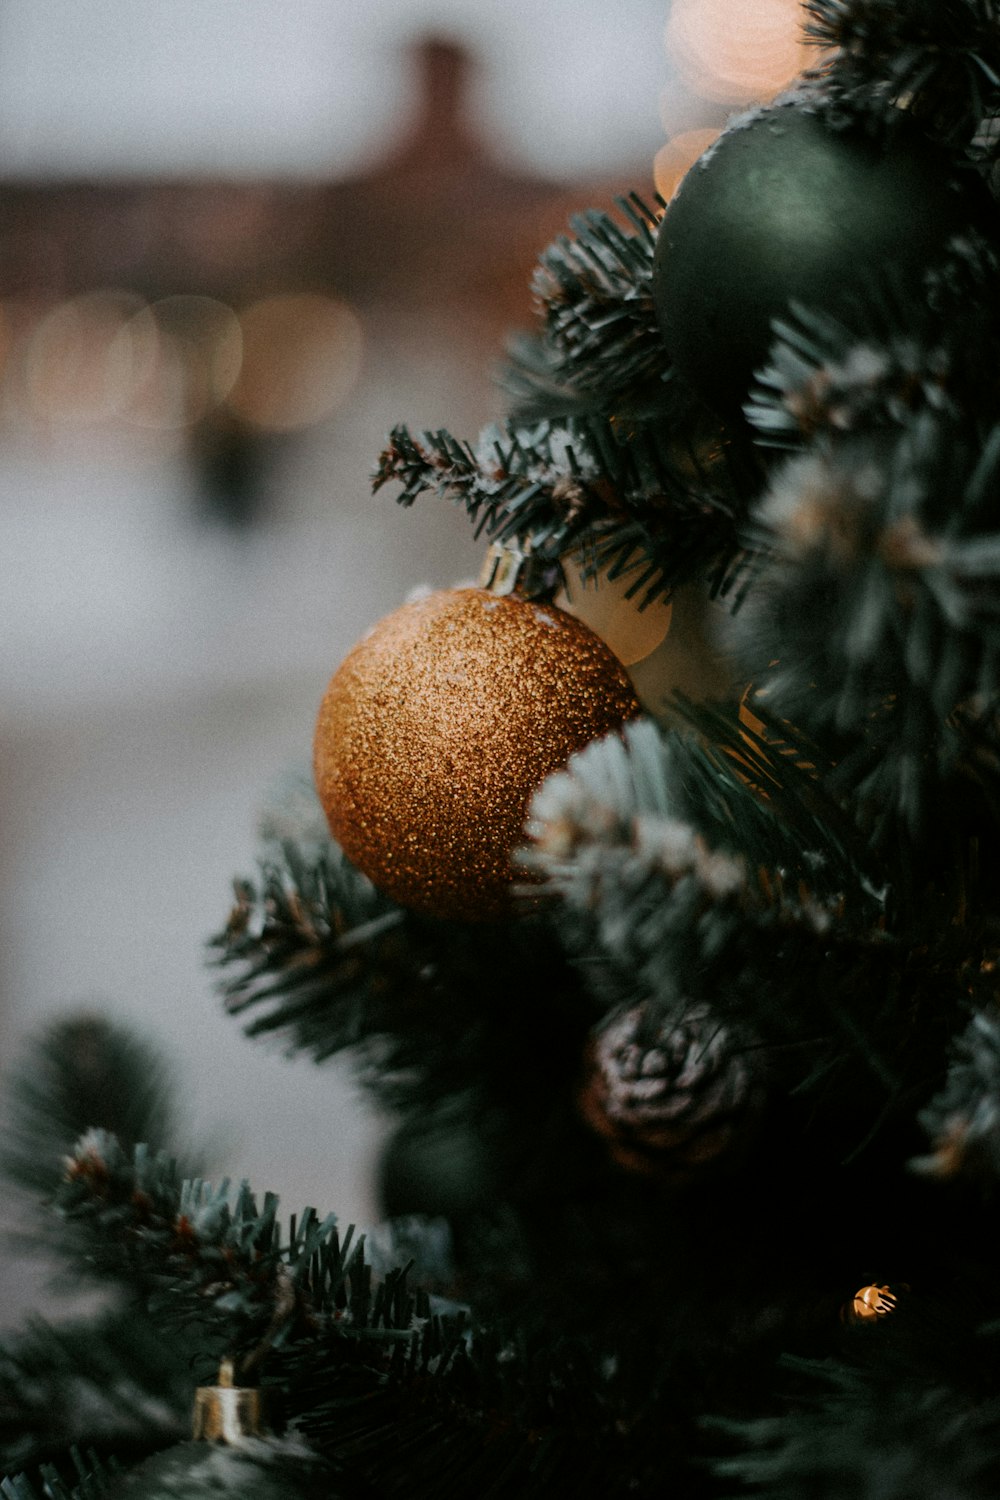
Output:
x,y
686,1005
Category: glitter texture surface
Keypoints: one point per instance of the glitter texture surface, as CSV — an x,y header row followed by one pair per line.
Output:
x,y
439,725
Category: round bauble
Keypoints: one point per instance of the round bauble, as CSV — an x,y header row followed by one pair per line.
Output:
x,y
261,1468
437,728
437,1168
783,207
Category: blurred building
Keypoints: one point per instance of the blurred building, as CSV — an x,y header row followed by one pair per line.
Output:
x,y
238,310
182,352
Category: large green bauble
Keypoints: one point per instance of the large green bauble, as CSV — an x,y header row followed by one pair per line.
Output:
x,y
438,1168
783,207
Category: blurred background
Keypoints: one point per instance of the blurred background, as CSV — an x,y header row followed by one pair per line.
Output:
x,y
239,240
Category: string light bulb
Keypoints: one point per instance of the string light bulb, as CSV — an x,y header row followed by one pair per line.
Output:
x,y
872,1303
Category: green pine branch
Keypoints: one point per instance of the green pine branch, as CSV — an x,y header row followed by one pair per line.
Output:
x,y
497,1414
112,1383
597,374
356,1358
606,454
721,870
216,1259
940,59
900,1433
594,290
314,950
313,954
739,818
85,1071
586,485
827,378
92,1481
539,388
681,859
887,362
873,621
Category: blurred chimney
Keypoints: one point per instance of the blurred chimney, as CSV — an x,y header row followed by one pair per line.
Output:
x,y
445,75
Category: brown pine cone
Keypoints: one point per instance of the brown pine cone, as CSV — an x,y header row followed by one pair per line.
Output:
x,y
671,1100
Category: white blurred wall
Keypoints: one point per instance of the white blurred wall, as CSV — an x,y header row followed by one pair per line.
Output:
x,y
314,86
156,676
155,679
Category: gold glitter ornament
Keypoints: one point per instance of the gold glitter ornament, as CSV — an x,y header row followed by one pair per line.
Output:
x,y
437,728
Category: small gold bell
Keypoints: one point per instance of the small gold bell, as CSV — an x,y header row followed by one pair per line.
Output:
x,y
228,1413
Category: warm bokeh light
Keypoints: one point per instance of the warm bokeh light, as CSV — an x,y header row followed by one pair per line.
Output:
x,y
674,159
13,318
208,334
108,357
631,632
79,363
737,51
301,359
187,352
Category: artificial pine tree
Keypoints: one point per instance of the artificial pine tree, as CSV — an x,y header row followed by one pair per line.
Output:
x,y
708,1089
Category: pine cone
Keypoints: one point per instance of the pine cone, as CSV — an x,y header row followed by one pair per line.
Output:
x,y
670,1099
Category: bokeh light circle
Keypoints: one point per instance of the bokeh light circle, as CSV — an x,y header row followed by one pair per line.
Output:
x,y
79,365
737,51
189,350
301,360
677,157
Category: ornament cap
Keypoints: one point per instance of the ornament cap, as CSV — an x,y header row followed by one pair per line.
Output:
x,y
504,567
228,1413
511,568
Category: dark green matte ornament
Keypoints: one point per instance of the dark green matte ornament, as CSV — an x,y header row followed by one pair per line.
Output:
x,y
785,208
437,1168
